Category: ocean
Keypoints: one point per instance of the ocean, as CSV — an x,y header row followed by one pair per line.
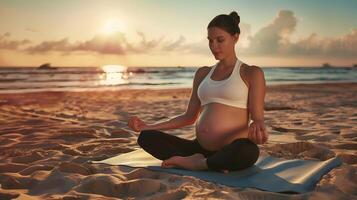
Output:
x,y
115,77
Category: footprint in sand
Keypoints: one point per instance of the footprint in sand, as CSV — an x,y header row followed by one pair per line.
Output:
x,y
70,167
34,156
54,182
16,182
8,194
12,167
172,194
31,169
87,147
143,173
75,133
349,146
110,186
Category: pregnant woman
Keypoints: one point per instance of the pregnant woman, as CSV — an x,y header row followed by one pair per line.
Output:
x,y
227,104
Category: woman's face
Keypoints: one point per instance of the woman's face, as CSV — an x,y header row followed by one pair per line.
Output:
x,y
221,42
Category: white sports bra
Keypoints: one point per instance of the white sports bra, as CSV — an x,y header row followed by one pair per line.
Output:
x,y
231,91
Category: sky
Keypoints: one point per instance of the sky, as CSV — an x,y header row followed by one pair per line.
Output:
x,y
174,33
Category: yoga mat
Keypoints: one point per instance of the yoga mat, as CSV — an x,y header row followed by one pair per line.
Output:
x,y
269,173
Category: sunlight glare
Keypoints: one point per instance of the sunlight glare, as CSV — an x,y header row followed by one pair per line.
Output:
x,y
113,26
114,75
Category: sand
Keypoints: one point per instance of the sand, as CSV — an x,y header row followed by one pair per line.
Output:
x,y
47,138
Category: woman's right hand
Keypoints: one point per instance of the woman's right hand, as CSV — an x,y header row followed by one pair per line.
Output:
x,y
136,124
257,132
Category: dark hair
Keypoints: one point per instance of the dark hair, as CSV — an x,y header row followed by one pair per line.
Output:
x,y
229,23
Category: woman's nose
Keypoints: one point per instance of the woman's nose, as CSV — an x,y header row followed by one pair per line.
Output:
x,y
214,46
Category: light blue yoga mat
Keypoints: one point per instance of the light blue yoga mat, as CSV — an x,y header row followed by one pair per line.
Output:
x,y
268,173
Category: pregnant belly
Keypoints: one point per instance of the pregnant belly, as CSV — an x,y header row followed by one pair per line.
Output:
x,y
219,125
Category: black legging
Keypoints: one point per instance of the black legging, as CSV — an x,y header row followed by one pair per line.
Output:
x,y
238,155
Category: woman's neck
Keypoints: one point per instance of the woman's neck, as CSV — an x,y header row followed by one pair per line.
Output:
x,y
228,62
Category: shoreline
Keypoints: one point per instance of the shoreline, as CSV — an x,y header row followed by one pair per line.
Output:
x,y
79,90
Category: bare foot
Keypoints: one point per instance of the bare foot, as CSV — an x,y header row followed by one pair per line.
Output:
x,y
195,162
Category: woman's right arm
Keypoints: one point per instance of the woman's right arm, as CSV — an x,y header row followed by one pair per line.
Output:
x,y
190,115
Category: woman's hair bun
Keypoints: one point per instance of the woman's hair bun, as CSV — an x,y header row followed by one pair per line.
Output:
x,y
229,23
235,16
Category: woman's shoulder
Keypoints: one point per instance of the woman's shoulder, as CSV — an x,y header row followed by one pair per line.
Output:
x,y
200,74
251,72
203,71
204,68
251,69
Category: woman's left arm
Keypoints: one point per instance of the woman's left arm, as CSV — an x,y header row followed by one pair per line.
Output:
x,y
257,131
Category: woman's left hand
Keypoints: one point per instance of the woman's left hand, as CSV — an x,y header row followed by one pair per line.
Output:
x,y
257,132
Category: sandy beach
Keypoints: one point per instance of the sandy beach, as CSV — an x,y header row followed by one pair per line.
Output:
x,y
46,139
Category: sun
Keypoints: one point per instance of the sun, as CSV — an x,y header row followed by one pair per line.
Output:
x,y
113,26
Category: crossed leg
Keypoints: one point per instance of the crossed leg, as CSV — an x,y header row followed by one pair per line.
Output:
x,y
188,154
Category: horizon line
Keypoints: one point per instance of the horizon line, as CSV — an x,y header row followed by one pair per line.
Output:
x,y
327,65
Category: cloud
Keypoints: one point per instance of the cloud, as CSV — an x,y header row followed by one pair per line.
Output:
x,y
46,46
6,43
200,47
343,46
115,44
274,39
146,45
174,45
269,38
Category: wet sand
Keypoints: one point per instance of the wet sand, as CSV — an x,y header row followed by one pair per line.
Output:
x,y
47,138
